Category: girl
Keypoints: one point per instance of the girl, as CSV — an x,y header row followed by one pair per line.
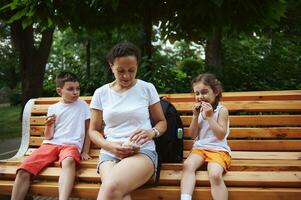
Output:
x,y
210,128
128,157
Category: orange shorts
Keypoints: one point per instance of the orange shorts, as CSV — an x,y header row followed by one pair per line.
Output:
x,y
47,154
221,157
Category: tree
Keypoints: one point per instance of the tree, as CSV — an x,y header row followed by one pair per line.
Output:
x,y
9,73
32,26
207,21
33,52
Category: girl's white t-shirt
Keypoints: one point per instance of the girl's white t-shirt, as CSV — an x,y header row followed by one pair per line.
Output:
x,y
69,127
125,113
206,138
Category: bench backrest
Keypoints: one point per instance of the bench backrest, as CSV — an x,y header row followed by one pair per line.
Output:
x,y
259,121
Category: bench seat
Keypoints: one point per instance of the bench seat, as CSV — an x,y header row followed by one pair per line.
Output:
x,y
265,138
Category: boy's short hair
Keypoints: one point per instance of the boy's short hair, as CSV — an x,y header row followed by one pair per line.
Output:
x,y
63,77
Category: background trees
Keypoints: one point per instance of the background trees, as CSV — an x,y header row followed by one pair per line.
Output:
x,y
251,45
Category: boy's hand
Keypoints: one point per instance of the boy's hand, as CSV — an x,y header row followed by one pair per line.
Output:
x,y
121,151
50,120
85,156
49,126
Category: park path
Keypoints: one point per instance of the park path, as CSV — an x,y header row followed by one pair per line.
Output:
x,y
9,147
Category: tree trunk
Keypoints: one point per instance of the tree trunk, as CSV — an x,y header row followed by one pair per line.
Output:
x,y
214,53
88,57
32,59
148,29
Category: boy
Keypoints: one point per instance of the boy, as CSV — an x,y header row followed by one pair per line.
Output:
x,y
66,139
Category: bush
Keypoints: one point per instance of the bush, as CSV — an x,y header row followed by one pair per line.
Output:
x,y
192,67
15,96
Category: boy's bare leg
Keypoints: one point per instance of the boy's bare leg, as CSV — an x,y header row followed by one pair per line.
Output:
x,y
191,164
67,177
21,185
218,188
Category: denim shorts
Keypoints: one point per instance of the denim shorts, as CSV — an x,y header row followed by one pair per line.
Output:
x,y
152,155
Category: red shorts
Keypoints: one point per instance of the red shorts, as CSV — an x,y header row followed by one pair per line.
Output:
x,y
47,154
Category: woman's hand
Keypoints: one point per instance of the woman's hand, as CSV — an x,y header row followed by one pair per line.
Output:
x,y
142,136
121,151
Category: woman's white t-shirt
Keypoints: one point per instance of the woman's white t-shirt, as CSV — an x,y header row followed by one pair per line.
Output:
x,y
69,127
125,113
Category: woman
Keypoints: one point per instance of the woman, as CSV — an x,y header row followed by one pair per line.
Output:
x,y
128,158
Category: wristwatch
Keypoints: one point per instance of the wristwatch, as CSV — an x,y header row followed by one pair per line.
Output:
x,y
157,132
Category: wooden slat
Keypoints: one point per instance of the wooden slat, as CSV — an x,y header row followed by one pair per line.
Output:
x,y
173,177
235,145
250,106
233,106
244,178
261,155
266,120
275,132
241,96
257,120
247,155
235,120
84,190
271,133
258,145
236,165
227,96
249,165
52,100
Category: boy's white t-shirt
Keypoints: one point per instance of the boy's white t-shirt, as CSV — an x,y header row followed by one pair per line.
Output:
x,y
127,112
69,128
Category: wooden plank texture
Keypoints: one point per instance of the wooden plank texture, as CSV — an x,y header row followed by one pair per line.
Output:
x,y
233,106
83,190
173,177
274,132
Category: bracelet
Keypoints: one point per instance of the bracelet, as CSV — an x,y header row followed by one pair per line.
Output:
x,y
157,132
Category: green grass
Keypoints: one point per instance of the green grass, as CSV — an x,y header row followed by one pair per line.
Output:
x,y
10,125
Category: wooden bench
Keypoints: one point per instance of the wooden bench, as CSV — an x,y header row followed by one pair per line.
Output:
x,y
265,139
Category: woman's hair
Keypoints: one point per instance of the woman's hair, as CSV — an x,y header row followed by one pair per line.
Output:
x,y
123,49
211,81
63,77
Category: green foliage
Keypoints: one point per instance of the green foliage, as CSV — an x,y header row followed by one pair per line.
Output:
x,y
9,72
167,78
196,19
40,12
250,63
69,52
192,67
261,64
15,96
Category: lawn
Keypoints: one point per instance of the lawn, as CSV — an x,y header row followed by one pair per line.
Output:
x,y
10,125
